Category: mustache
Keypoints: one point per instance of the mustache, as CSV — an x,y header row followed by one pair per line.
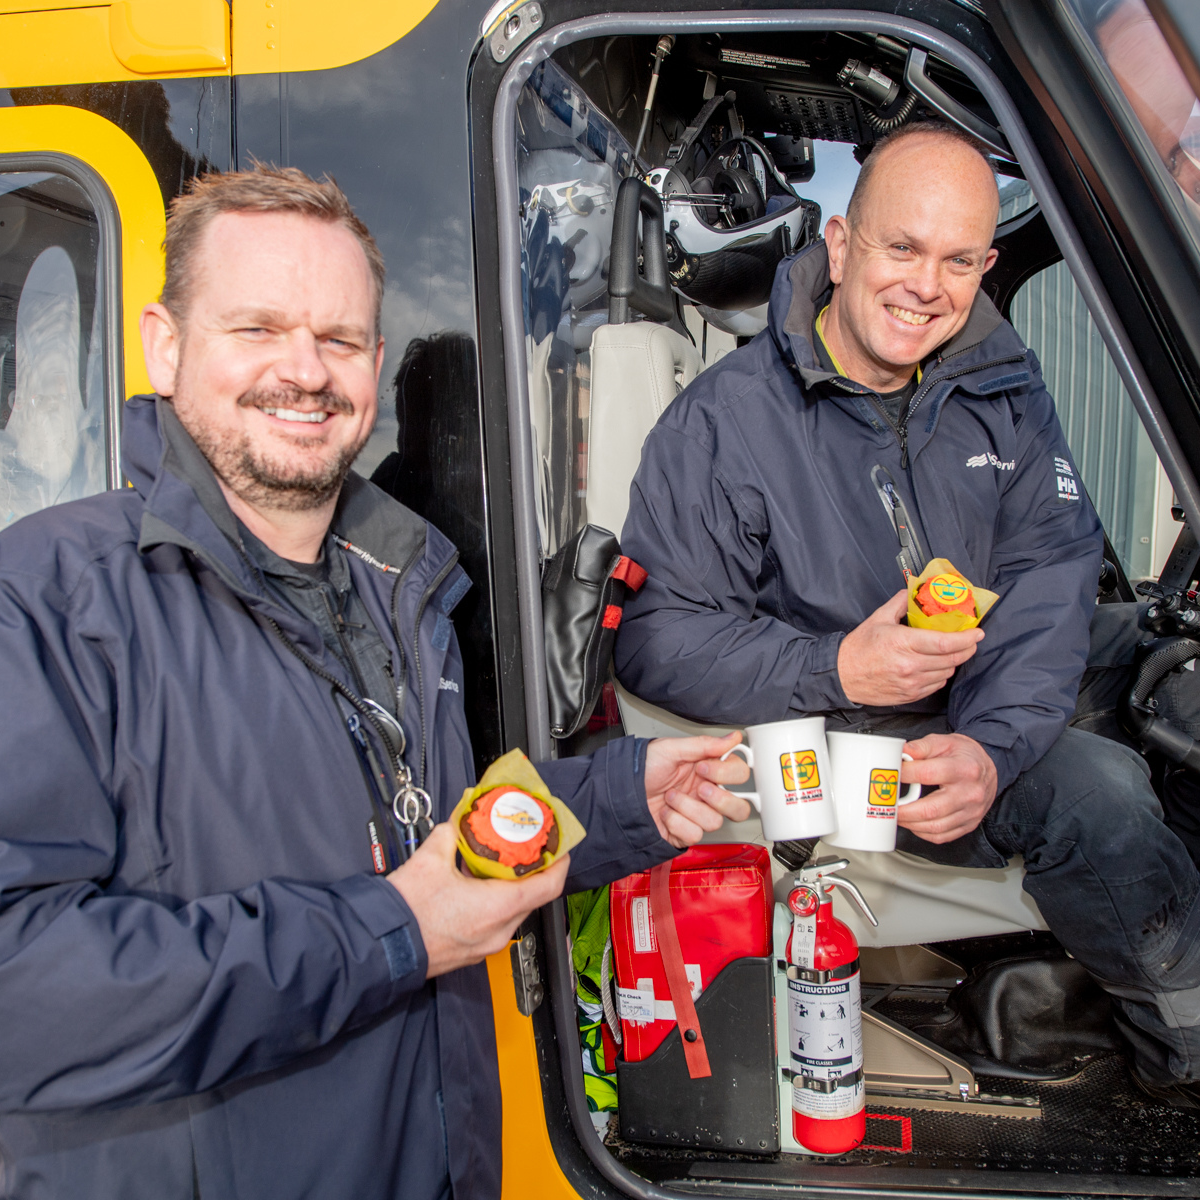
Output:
x,y
294,397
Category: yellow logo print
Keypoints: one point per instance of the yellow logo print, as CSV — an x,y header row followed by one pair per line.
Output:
x,y
799,770
948,589
884,786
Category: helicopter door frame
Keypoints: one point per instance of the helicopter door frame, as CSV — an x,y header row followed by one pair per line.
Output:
x,y
519,437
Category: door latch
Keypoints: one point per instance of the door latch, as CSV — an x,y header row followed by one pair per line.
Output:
x,y
526,977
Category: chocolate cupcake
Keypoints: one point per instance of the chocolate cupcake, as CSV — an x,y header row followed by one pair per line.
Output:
x,y
512,827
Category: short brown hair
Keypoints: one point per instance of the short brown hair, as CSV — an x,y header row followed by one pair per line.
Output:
x,y
262,188
940,129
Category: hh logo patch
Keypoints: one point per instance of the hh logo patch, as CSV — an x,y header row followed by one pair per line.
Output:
x,y
800,770
884,785
1068,489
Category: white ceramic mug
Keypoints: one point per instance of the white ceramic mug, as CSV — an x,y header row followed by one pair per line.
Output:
x,y
865,771
791,770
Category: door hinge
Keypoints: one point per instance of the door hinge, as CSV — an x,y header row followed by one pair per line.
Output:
x,y
514,27
526,977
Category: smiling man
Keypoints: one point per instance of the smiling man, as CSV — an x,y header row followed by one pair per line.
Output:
x,y
235,692
887,416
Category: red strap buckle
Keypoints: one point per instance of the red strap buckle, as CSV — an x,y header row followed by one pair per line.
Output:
x,y
629,573
695,1053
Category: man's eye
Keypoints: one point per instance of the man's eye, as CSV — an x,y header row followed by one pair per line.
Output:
x,y
902,247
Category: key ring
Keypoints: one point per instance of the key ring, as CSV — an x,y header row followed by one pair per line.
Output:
x,y
415,799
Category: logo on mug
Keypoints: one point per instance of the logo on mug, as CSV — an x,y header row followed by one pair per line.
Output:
x,y
884,786
800,773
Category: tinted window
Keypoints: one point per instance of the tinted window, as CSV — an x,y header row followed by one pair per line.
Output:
x,y
1110,447
52,404
1164,109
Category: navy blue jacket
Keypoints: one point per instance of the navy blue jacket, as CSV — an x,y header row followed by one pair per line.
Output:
x,y
766,539
205,990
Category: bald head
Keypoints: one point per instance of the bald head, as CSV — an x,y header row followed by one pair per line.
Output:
x,y
908,258
914,138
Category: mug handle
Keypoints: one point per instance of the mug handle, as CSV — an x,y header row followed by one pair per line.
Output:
x,y
911,792
753,797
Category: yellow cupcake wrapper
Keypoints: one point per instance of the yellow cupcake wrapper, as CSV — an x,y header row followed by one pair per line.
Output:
x,y
515,770
950,622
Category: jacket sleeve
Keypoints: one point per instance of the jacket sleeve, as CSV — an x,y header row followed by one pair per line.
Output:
x,y
607,792
1017,693
116,998
691,639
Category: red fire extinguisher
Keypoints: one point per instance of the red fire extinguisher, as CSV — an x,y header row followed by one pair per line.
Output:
x,y
825,1014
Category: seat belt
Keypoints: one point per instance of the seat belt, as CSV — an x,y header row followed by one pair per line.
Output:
x,y
663,915
911,558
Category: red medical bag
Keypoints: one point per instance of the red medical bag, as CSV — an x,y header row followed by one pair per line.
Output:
x,y
721,899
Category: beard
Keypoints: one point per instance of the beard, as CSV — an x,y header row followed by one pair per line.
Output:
x,y
267,481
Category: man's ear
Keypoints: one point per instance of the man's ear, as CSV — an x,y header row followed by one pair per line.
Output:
x,y
162,342
837,238
378,359
990,261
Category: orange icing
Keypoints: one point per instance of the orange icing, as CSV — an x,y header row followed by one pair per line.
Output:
x,y
930,604
512,854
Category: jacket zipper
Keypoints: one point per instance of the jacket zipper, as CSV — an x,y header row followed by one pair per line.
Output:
x,y
924,389
436,582
402,675
900,428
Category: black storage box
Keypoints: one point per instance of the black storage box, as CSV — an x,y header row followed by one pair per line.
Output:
x,y
737,1107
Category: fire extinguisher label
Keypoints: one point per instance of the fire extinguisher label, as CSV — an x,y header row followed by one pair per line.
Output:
x,y
825,1027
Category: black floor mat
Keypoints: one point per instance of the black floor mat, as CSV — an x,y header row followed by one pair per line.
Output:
x,y
1097,1129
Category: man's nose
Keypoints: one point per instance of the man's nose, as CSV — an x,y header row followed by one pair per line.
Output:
x,y
925,279
302,364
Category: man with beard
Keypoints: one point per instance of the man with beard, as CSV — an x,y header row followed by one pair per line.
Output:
x,y
235,694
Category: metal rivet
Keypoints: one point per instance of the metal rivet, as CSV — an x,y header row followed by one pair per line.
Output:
x,y
690,1035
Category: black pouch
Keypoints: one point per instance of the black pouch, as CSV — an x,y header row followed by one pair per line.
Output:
x,y
583,595
737,1107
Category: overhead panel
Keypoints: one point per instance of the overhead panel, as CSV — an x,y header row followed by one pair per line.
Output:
x,y
155,38
271,36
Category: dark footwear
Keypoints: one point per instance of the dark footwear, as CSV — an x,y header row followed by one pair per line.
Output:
x,y
1173,1095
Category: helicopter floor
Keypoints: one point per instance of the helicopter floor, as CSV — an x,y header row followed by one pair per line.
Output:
x,y
1098,1134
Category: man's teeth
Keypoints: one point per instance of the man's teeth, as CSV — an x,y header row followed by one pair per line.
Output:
x,y
908,316
290,414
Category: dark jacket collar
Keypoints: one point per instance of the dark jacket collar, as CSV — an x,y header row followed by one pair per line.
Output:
x,y
186,507
802,288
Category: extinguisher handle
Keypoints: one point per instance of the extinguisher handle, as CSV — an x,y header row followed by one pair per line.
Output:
x,y
855,895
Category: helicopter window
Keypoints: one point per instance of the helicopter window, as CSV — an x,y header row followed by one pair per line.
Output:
x,y
53,439
571,159
1122,474
1162,107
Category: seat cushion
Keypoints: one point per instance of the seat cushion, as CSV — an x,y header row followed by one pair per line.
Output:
x,y
637,370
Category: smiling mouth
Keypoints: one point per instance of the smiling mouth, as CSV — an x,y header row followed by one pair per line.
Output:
x,y
908,316
291,414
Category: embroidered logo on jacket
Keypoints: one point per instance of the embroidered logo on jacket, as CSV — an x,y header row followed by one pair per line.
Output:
x,y
982,460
